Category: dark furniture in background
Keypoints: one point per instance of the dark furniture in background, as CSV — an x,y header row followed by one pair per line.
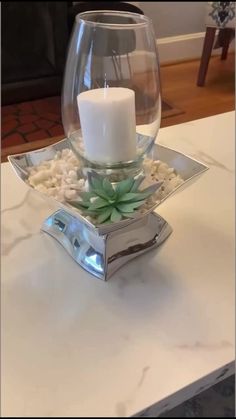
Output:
x,y
34,41
219,15
225,36
35,37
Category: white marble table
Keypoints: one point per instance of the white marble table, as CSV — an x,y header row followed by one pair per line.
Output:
x,y
158,332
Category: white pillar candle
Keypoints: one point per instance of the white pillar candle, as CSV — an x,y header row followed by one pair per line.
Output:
x,y
107,118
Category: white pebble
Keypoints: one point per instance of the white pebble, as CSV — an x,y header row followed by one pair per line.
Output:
x,y
72,174
81,183
70,194
53,177
58,178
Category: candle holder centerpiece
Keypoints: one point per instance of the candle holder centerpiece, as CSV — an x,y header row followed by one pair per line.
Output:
x,y
111,99
108,176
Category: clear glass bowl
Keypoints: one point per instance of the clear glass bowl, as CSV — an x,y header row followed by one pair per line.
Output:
x,y
111,99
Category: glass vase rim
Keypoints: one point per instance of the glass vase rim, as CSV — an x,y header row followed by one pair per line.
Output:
x,y
143,19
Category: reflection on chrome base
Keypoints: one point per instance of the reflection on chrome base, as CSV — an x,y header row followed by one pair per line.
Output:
x,y
102,255
102,249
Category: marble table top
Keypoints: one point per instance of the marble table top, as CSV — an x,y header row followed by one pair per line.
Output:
x,y
158,332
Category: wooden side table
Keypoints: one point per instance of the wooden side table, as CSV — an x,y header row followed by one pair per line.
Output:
x,y
220,15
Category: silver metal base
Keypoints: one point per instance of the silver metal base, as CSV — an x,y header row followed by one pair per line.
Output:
x,y
103,249
102,255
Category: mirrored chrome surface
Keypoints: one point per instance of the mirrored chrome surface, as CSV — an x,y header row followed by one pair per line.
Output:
x,y
102,250
185,166
103,255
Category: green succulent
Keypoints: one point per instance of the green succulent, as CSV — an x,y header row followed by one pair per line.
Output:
x,y
108,204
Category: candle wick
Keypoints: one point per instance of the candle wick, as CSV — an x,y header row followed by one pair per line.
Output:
x,y
105,82
106,90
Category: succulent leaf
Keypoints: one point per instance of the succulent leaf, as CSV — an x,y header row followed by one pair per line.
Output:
x,y
101,193
124,186
137,183
130,196
115,216
152,188
108,188
80,204
87,195
99,203
107,204
130,207
95,181
104,215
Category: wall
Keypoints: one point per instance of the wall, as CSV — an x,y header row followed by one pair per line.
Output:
x,y
175,18
179,28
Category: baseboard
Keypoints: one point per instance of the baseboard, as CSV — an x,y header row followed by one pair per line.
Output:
x,y
183,47
173,49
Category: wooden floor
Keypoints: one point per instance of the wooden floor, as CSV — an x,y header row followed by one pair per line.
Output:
x,y
179,88
217,96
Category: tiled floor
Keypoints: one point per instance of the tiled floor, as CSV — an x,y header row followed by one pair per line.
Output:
x,y
39,119
31,121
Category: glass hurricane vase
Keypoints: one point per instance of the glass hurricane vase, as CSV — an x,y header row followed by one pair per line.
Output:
x,y
111,99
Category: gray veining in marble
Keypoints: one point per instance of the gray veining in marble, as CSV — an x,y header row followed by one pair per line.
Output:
x,y
148,340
